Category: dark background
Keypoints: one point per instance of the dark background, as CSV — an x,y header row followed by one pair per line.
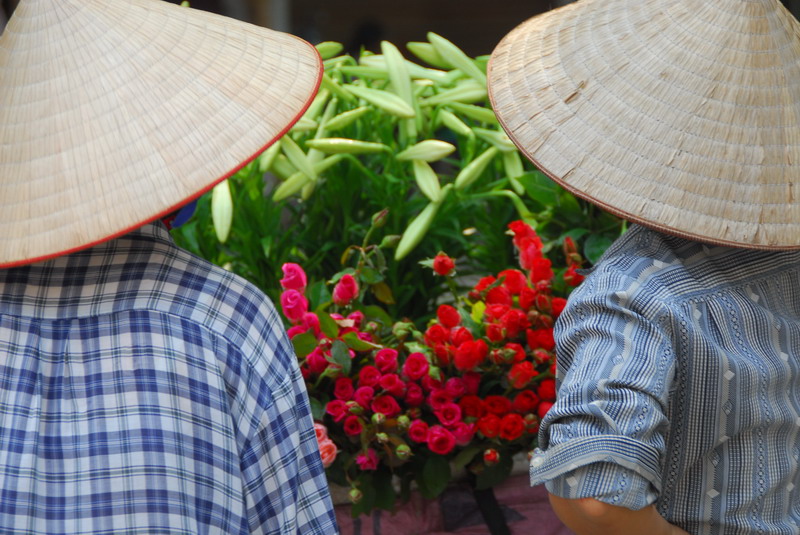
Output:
x,y
474,25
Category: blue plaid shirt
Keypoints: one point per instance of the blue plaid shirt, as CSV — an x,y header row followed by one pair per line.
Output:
x,y
679,369
145,391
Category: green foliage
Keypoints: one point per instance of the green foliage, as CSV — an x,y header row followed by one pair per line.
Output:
x,y
388,133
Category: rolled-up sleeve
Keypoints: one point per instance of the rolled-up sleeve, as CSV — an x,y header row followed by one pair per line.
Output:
x,y
605,436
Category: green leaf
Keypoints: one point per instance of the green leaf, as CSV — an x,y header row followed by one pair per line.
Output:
x,y
384,490
466,455
304,344
383,293
365,485
318,294
341,356
496,474
357,344
595,246
377,313
540,189
328,325
434,476
317,409
370,276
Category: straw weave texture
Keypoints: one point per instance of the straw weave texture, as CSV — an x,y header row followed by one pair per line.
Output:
x,y
683,115
115,112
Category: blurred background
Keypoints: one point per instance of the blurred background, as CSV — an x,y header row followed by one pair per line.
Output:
x,y
476,25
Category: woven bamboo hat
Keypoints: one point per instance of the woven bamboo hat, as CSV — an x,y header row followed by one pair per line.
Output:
x,y
682,115
114,113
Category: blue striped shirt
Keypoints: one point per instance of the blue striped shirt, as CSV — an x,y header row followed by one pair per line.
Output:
x,y
145,391
679,386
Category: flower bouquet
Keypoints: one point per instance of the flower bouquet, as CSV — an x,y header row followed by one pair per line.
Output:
x,y
398,405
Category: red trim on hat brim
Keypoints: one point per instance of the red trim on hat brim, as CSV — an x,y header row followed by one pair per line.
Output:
x,y
189,199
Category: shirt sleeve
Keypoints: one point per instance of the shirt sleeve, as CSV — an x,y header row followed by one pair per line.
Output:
x,y
605,436
284,482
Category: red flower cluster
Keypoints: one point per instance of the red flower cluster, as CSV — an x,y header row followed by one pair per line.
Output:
x,y
481,373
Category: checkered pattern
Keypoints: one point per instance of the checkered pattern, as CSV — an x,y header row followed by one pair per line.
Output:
x,y
145,391
679,378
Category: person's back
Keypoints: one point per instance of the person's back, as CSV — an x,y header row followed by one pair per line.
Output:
x,y
680,367
143,390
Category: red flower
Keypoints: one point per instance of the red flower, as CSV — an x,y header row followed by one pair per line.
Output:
x,y
523,231
337,409
512,426
343,389
541,270
491,457
572,277
518,352
472,381
544,406
317,363
368,460
386,405
294,305
499,296
471,406
345,290
416,366
369,376
558,304
498,405
514,280
514,321
438,398
541,339
436,334
294,278
448,414
386,360
470,354
448,316
495,332
525,402
444,354
455,387
364,395
489,425
352,425
443,265
547,390
460,335
440,440
414,395
392,384
527,298
485,282
418,431
521,374
529,251
495,312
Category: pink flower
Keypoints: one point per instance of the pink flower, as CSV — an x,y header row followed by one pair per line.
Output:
x,y
295,330
294,305
357,317
463,433
418,431
392,384
386,360
337,409
321,431
343,388
317,363
352,425
416,366
443,265
294,278
414,395
448,414
369,376
438,398
368,461
345,290
363,395
311,321
328,452
455,387
440,440
386,405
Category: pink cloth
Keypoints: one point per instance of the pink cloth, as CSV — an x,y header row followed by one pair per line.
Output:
x,y
526,509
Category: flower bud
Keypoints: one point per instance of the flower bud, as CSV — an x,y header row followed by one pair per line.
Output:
x,y
355,495
403,452
379,219
378,418
390,241
354,408
383,438
402,329
414,413
403,422
491,457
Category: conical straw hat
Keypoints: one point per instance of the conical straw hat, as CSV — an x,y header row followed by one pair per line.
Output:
x,y
682,115
115,112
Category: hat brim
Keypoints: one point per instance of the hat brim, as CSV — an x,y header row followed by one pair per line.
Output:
x,y
116,113
680,115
